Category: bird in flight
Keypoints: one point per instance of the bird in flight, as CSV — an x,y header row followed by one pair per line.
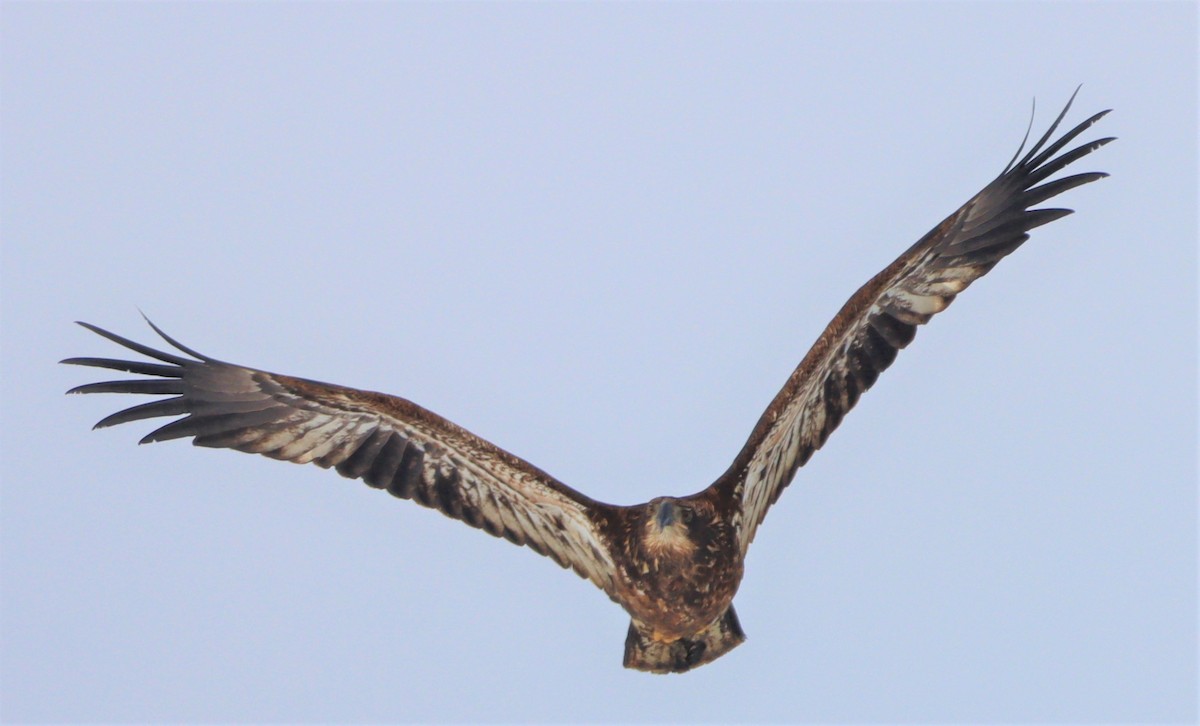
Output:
x,y
673,563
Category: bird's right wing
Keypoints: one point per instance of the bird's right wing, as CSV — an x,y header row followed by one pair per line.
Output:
x,y
389,442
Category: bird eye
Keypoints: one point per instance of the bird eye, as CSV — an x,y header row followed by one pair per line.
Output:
x,y
686,515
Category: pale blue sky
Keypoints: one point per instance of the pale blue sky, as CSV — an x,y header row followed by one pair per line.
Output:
x,y
600,235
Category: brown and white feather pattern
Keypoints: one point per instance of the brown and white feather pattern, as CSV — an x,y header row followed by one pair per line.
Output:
x,y
882,316
674,563
389,442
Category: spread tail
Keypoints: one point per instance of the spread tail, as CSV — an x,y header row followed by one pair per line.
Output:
x,y
645,653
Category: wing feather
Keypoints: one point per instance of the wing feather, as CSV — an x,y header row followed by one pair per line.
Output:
x,y
881,318
389,442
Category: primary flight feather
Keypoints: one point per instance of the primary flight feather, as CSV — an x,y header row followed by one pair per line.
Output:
x,y
673,563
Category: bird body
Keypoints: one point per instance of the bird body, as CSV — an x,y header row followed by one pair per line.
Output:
x,y
673,563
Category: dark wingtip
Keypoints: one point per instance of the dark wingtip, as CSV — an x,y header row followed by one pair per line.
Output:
x,y
172,341
145,349
1025,140
1037,217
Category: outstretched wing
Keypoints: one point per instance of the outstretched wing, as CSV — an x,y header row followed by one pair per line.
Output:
x,y
389,442
882,317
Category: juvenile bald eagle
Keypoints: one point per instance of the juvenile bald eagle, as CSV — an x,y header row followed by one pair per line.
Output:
x,y
673,563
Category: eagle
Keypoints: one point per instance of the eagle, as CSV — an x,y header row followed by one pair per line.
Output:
x,y
673,563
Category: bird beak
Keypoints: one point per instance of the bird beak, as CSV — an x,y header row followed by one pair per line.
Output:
x,y
666,515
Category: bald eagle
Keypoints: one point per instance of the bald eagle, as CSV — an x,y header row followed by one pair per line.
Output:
x,y
673,563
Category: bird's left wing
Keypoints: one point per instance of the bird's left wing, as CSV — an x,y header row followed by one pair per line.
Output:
x,y
882,317
389,442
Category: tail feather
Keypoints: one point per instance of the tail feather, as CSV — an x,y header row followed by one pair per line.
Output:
x,y
645,653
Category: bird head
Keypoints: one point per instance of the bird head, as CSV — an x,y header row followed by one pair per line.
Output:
x,y
668,526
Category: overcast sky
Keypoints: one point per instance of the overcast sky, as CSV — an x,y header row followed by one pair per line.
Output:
x,y
601,236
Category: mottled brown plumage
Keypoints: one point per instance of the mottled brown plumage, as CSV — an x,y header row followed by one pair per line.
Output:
x,y
673,563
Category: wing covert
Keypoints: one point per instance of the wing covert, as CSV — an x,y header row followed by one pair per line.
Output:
x,y
387,441
882,317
